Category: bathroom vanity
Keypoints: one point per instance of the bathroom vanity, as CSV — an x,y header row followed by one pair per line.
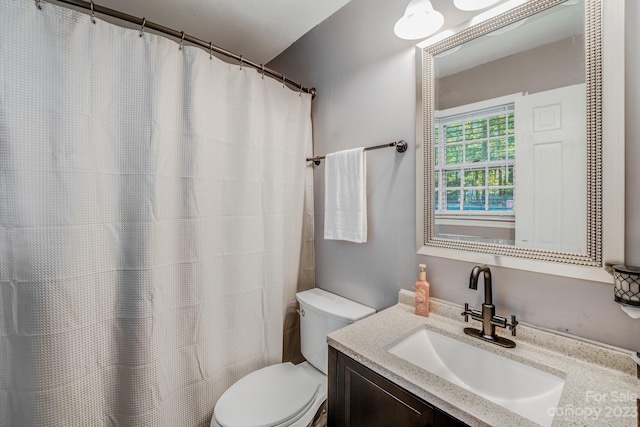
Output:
x,y
360,397
371,386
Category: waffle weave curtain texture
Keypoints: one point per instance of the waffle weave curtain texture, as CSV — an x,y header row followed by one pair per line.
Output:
x,y
155,215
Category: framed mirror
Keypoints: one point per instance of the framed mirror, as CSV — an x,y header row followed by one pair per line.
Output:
x,y
514,111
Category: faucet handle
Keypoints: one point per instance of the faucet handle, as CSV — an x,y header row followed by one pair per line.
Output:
x,y
513,324
466,312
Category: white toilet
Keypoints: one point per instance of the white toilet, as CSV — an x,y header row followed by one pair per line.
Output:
x,y
287,394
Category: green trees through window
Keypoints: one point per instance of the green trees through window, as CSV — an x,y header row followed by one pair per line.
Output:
x,y
475,156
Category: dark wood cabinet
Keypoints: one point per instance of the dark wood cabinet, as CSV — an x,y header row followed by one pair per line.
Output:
x,y
359,397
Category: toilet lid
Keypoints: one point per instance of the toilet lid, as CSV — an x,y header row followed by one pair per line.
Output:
x,y
266,397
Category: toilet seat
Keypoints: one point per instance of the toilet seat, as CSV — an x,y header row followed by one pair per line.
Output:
x,y
272,396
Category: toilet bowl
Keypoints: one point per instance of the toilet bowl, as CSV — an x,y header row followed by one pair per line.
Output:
x,y
278,395
286,394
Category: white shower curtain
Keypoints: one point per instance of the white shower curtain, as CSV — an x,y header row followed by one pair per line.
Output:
x,y
153,222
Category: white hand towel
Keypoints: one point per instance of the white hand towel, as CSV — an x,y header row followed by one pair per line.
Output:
x,y
345,196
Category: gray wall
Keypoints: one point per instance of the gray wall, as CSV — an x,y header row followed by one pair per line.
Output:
x,y
365,77
546,67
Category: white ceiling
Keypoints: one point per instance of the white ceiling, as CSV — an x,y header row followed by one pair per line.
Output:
x,y
257,29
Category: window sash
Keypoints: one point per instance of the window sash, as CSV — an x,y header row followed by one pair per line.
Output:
x,y
489,131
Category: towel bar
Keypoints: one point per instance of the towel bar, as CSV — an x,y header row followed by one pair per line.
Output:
x,y
401,147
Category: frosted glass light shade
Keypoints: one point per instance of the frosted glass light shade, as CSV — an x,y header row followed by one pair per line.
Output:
x,y
473,4
420,20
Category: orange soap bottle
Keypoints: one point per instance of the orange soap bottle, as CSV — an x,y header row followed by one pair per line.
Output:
x,y
422,293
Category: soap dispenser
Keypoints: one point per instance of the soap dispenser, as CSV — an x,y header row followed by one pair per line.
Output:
x,y
422,293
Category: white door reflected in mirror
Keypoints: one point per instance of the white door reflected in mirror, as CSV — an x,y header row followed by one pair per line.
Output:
x,y
551,159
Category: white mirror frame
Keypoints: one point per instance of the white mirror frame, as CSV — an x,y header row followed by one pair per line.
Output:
x,y
604,50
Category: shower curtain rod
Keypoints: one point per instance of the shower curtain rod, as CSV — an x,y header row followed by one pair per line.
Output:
x,y
95,8
401,147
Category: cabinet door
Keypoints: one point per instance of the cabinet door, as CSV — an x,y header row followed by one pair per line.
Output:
x,y
362,398
359,397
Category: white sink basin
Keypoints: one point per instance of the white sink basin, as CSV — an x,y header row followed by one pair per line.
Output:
x,y
522,389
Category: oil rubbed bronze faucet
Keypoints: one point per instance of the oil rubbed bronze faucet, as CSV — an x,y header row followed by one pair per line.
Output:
x,y
488,314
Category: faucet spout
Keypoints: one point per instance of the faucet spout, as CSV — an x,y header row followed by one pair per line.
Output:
x,y
488,313
473,282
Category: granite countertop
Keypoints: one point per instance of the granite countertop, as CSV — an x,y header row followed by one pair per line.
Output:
x,y
601,387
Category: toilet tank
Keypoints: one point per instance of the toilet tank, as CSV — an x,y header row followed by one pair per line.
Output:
x,y
321,313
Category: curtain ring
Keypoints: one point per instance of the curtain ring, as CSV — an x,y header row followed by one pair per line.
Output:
x,y
210,50
262,72
241,59
39,4
93,14
144,22
181,41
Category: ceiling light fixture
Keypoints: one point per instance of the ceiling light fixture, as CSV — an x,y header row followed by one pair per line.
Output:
x,y
420,20
473,4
